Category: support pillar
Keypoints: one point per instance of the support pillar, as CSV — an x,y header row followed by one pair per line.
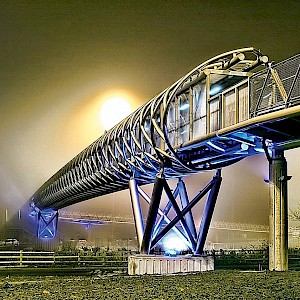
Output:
x,y
137,211
152,213
208,212
47,223
278,218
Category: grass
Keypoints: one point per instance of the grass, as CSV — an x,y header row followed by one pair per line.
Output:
x,y
207,285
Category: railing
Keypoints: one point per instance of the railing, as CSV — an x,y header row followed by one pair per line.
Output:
x,y
82,259
224,259
255,259
276,88
21,258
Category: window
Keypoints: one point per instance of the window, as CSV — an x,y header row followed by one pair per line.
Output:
x,y
199,114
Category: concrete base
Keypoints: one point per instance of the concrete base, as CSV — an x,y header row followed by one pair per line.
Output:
x,y
154,264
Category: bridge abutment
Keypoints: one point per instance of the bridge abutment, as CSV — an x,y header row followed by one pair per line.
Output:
x,y
278,216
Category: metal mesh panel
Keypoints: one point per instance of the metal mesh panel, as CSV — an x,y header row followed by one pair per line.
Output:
x,y
265,91
256,86
295,96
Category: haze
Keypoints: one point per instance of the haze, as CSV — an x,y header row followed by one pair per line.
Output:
x,y
58,59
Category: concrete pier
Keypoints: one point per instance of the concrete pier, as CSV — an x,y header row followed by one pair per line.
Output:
x,y
278,217
159,264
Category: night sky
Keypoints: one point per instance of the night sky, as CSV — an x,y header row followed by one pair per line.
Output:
x,y
58,58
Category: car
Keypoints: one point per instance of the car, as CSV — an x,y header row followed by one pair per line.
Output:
x,y
11,242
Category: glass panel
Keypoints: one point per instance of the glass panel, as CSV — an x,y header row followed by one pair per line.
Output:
x,y
199,101
229,108
184,118
199,128
214,115
184,109
171,117
199,114
243,103
183,134
171,125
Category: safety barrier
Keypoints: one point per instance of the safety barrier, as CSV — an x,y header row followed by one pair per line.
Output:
x,y
224,259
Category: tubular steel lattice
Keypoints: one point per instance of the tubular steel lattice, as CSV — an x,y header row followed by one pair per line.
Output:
x,y
159,134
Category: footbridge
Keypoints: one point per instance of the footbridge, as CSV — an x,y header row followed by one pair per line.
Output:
x,y
234,105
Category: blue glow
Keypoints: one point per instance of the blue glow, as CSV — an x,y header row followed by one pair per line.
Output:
x,y
244,147
215,89
183,132
184,106
260,150
173,244
47,223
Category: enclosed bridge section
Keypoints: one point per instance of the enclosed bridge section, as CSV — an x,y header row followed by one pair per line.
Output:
x,y
234,105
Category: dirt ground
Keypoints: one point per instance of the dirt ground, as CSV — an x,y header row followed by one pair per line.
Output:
x,y
206,285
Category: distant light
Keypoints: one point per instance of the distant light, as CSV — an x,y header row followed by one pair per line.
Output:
x,y
114,110
244,146
215,90
184,106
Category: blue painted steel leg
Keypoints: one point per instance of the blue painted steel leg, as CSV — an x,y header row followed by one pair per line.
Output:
x,y
177,218
165,218
208,212
178,213
152,213
161,220
47,223
184,203
152,235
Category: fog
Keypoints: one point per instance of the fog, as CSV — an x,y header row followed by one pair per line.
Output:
x,y
59,59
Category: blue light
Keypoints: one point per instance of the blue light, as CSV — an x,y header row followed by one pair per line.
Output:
x,y
173,245
46,223
260,150
244,147
184,106
215,89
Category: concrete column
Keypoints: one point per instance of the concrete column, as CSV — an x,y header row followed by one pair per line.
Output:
x,y
278,218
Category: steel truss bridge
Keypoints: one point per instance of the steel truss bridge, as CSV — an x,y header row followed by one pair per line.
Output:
x,y
234,105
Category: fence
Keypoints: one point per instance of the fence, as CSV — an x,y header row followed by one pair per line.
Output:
x,y
22,258
118,261
251,259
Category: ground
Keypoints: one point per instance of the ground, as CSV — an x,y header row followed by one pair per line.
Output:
x,y
206,285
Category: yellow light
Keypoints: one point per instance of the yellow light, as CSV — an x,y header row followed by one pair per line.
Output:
x,y
114,109
96,113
